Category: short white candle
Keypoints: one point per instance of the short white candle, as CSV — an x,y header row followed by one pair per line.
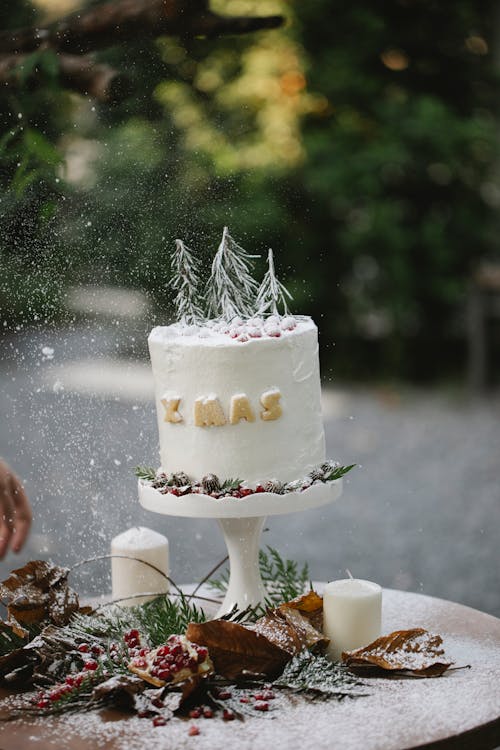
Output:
x,y
352,614
131,577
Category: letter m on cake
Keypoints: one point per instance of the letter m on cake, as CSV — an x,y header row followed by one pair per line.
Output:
x,y
208,412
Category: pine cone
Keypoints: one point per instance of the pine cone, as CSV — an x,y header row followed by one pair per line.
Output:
x,y
329,466
273,485
180,479
317,473
210,483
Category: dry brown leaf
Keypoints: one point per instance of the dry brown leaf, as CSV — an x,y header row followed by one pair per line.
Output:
x,y
39,591
415,652
236,650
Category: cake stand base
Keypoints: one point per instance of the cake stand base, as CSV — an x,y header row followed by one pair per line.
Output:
x,y
241,521
245,588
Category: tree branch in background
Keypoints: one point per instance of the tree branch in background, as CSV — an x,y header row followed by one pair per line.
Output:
x,y
119,21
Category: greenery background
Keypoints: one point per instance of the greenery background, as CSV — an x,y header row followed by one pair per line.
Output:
x,y
360,142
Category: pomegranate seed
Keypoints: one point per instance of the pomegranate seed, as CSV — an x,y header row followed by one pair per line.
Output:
x,y
261,706
244,700
43,703
90,665
133,643
228,715
55,695
97,650
163,651
195,713
143,714
202,654
173,638
268,695
70,680
193,730
176,650
159,721
157,702
134,633
143,651
84,648
207,712
165,675
175,491
192,665
141,663
224,695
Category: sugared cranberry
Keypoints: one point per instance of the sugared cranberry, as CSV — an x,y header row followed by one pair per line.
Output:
x,y
193,730
84,648
55,695
228,715
259,488
195,713
42,703
207,712
244,700
157,702
159,721
132,635
97,650
245,491
261,706
70,680
224,695
90,665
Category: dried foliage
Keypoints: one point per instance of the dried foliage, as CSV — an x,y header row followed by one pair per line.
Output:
x,y
414,652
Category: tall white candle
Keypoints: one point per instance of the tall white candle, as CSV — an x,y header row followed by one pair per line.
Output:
x,y
131,577
352,613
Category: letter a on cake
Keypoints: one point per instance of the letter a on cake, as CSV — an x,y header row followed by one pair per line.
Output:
x,y
240,409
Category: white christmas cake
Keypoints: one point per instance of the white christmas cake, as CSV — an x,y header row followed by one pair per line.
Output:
x,y
237,381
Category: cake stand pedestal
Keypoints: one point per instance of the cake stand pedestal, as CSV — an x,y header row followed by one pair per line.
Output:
x,y
241,521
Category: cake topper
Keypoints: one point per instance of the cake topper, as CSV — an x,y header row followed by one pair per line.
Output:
x,y
272,292
185,280
232,290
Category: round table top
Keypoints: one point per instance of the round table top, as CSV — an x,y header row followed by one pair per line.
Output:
x,y
458,710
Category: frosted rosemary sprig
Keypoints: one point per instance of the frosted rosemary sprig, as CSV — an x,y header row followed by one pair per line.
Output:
x,y
272,293
186,281
147,473
232,289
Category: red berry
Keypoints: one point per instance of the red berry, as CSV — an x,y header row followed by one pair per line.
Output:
x,y
175,491
143,651
157,702
207,712
244,700
163,651
42,703
259,488
261,706
55,695
134,633
193,730
79,679
143,714
224,695
84,648
70,680
195,713
159,721
246,491
90,665
192,665
228,715
133,643
176,650
97,650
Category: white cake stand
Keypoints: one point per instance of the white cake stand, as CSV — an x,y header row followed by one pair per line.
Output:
x,y
241,521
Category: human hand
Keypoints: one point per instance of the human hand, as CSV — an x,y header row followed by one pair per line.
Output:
x,y
15,511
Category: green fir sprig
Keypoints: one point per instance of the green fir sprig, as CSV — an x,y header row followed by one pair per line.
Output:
x,y
146,473
338,472
319,677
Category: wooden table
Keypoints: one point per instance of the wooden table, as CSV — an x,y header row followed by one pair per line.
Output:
x,y
459,710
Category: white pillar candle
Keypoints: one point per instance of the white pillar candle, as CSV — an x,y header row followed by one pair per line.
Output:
x,y
131,577
352,614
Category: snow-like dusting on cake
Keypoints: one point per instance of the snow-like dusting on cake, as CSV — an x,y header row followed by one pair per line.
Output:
x,y
254,357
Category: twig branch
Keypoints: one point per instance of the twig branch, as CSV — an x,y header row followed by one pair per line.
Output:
x,y
112,23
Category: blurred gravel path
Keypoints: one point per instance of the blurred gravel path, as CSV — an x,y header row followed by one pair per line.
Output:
x,y
422,512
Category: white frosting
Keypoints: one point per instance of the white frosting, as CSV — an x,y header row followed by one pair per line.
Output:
x,y
222,361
